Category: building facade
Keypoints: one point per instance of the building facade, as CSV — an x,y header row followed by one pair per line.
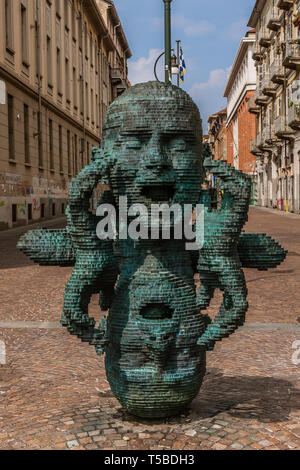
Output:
x,y
239,91
218,135
277,102
62,62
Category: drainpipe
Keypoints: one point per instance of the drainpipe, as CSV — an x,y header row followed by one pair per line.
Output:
x,y
82,150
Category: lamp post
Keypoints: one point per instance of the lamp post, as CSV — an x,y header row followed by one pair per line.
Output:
x,y
168,71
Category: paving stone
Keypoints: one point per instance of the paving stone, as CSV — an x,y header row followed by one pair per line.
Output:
x,y
251,383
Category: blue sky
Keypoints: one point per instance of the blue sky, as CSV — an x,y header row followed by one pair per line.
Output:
x,y
210,31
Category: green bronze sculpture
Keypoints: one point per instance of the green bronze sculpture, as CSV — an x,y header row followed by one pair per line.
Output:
x,y
156,336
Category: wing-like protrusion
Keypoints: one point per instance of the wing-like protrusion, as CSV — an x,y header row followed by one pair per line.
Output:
x,y
48,247
260,251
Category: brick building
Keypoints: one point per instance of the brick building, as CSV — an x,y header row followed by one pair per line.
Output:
x,y
239,91
61,65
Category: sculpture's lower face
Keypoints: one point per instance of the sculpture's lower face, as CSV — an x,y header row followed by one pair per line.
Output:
x,y
153,363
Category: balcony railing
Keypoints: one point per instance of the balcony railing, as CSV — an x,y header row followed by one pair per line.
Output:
x,y
254,149
260,98
265,144
277,72
264,38
115,75
294,116
121,87
268,87
282,129
285,4
273,19
291,54
257,52
253,107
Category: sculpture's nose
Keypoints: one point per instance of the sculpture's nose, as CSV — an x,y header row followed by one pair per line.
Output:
x,y
156,157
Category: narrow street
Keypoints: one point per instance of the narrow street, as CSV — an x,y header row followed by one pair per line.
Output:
x,y
53,389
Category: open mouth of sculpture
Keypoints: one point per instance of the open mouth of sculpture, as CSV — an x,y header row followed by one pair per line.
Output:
x,y
159,192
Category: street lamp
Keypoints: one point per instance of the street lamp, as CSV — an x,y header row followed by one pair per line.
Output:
x,y
168,71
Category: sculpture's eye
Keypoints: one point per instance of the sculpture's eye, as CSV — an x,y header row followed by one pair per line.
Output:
x,y
177,144
133,142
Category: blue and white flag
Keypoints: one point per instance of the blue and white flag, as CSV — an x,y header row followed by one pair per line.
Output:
x,y
182,67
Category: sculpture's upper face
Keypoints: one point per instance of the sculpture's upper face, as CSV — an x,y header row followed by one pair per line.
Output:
x,y
155,136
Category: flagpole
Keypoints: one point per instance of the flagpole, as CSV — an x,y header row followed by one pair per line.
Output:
x,y
168,71
178,62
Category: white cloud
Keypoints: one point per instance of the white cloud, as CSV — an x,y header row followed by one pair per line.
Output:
x,y
209,95
141,70
189,27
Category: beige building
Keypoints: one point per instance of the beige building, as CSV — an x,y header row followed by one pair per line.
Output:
x,y
62,62
218,135
277,102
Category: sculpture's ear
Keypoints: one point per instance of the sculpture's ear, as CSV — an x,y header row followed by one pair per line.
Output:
x,y
48,247
260,251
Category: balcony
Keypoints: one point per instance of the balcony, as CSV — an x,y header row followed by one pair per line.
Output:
x,y
254,149
282,129
262,138
277,73
253,107
259,98
257,53
264,38
115,76
291,54
121,87
273,19
268,87
285,4
294,117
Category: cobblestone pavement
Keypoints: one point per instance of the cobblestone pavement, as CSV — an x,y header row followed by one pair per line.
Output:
x,y
53,390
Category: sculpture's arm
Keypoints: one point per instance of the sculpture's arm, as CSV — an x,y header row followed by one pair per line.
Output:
x,y
219,265
95,268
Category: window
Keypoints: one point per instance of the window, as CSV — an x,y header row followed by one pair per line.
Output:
x,y
8,25
62,208
75,155
73,16
58,72
81,91
69,152
66,13
67,81
75,102
53,209
88,153
60,149
24,34
49,62
51,145
93,107
29,211
279,106
40,140
14,212
87,101
26,134
42,210
11,128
